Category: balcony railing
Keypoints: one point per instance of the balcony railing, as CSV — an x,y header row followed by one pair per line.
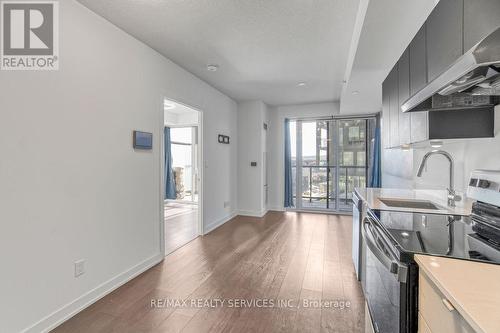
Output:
x,y
322,186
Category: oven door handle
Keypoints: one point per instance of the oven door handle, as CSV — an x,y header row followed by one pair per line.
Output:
x,y
392,265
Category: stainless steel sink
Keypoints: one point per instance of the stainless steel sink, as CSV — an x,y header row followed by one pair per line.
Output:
x,y
415,204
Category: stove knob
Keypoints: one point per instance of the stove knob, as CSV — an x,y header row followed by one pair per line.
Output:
x,y
483,183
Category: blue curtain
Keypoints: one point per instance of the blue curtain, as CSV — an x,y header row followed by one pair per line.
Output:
x,y
288,167
376,176
169,172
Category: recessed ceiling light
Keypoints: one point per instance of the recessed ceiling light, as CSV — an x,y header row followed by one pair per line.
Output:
x,y
355,92
301,84
212,68
168,105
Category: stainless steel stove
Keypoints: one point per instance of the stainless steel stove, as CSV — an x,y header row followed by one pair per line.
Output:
x,y
484,187
390,275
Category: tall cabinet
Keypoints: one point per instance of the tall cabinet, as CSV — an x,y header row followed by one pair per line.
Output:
x,y
480,18
444,36
403,95
418,80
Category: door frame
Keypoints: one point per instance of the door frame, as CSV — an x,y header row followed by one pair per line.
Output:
x,y
200,222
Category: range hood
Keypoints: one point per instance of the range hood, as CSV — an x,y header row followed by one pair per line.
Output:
x,y
472,81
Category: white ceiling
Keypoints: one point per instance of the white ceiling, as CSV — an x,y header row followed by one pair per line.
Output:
x,y
264,48
387,29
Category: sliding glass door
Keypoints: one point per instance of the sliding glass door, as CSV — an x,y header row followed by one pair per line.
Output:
x,y
315,178
329,159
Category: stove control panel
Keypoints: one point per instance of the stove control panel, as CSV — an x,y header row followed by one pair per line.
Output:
x,y
484,185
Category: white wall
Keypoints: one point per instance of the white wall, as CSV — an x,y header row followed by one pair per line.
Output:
x,y
72,187
251,141
275,143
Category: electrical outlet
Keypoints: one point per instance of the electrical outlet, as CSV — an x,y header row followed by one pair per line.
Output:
x,y
79,267
226,204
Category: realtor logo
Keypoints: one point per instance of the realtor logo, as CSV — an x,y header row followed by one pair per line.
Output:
x,y
29,35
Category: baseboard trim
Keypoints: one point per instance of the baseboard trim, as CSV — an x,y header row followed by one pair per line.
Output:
x,y
215,224
277,209
69,310
252,213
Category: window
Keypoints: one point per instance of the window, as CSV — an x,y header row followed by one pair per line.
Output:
x,y
183,160
328,161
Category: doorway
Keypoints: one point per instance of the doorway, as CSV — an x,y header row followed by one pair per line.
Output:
x,y
182,175
330,157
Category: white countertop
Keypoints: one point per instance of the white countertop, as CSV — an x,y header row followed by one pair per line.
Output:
x,y
439,197
471,287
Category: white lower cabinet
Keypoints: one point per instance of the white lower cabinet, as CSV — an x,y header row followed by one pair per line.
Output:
x,y
436,314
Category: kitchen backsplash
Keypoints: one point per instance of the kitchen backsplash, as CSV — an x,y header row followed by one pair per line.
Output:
x,y
399,167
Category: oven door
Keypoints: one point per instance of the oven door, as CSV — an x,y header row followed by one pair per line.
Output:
x,y
384,280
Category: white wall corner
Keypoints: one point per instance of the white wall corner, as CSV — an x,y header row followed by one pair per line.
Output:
x,y
217,223
276,208
252,213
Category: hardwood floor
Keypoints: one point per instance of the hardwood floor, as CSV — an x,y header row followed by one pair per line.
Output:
x,y
295,257
181,224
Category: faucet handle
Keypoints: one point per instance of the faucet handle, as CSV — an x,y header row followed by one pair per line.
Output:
x,y
452,194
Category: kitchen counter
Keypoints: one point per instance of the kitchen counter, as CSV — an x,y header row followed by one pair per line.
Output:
x,y
371,197
471,287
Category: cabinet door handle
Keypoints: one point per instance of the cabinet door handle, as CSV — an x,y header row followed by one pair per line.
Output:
x,y
448,305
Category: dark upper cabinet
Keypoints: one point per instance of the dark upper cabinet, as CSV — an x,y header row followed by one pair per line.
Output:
x,y
453,27
480,18
418,62
418,80
394,106
444,36
404,94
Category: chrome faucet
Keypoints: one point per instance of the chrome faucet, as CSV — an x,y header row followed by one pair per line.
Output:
x,y
452,195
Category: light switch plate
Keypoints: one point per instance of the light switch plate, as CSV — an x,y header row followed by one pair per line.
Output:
x,y
79,268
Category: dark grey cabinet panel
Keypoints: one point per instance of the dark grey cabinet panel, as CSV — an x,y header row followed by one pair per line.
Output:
x,y
394,106
418,80
404,94
480,18
444,36
418,62
386,115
